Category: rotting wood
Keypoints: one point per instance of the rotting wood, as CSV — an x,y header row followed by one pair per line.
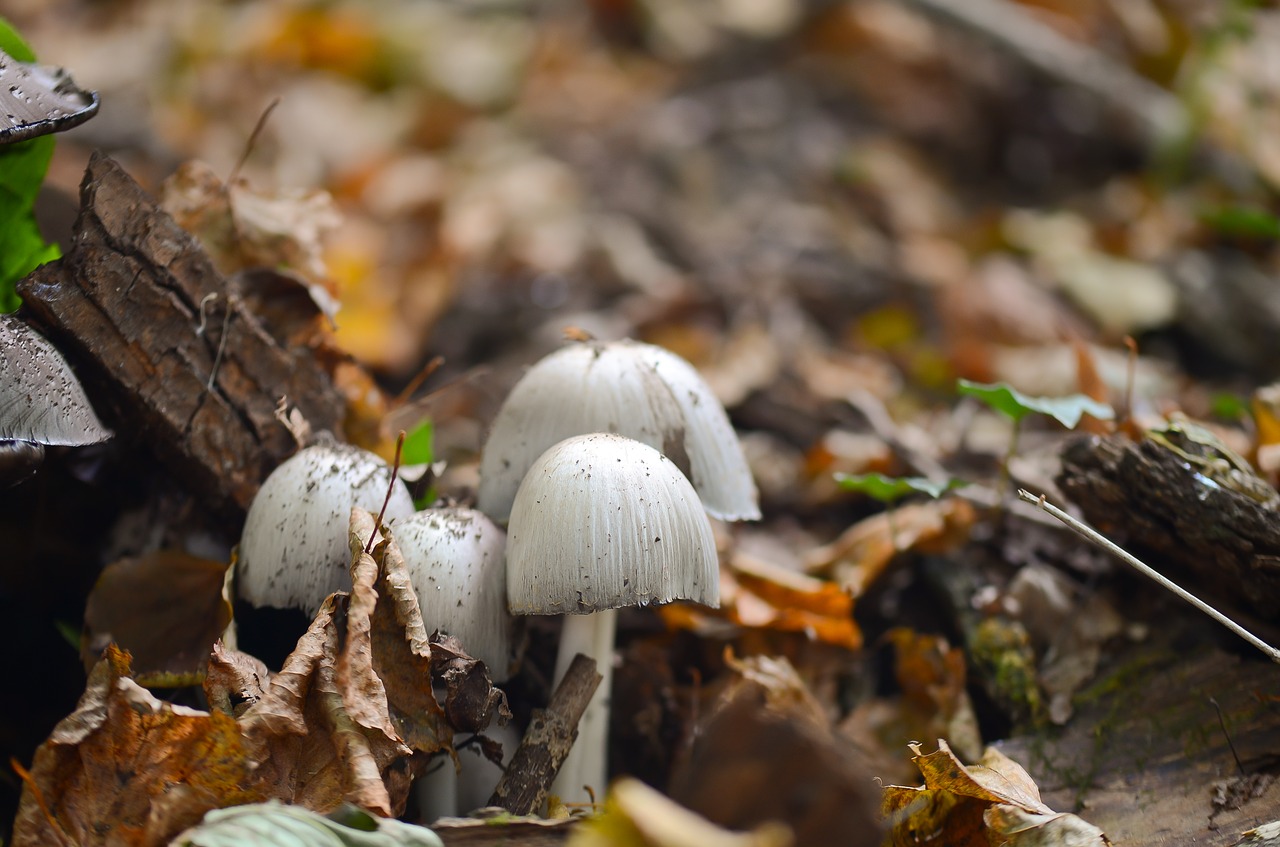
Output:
x,y
1227,543
550,736
183,366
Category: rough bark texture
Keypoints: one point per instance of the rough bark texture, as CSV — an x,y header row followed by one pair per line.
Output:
x,y
139,308
1213,538
547,742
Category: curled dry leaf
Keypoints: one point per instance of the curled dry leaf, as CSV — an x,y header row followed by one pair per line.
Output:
x,y
126,768
471,702
864,550
992,802
234,681
166,608
755,594
308,749
241,229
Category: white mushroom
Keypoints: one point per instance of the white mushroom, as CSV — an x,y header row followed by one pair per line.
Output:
x,y
600,522
633,389
41,400
293,551
456,561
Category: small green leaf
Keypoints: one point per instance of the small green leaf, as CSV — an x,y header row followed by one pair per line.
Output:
x,y
1242,222
418,449
890,489
1016,405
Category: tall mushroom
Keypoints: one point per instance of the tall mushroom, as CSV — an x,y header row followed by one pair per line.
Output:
x,y
293,551
456,561
633,389
600,522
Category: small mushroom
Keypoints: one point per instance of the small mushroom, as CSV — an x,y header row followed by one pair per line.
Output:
x,y
599,522
455,559
633,389
293,551
41,402
457,563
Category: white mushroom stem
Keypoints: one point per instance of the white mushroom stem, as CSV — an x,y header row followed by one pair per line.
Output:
x,y
587,763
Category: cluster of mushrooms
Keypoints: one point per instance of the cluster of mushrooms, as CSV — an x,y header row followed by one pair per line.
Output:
x,y
604,463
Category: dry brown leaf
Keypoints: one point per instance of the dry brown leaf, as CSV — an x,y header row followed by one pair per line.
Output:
x,y
165,608
242,229
127,769
234,681
997,789
757,595
765,751
301,738
864,550
471,702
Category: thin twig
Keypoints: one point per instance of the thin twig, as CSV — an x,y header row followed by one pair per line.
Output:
x,y
391,487
1097,538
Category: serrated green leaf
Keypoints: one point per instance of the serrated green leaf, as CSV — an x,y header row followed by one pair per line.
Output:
x,y
891,489
1016,405
274,824
418,448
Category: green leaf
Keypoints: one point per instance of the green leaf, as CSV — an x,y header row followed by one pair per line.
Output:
x,y
1016,405
1242,222
890,489
13,44
22,170
418,449
276,825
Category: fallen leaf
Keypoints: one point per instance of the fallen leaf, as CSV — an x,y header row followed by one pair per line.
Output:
x,y
308,749
234,681
126,768
765,751
165,608
864,550
757,595
994,802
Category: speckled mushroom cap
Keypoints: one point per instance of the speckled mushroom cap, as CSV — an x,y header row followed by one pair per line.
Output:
x,y
602,521
456,560
294,551
40,398
634,389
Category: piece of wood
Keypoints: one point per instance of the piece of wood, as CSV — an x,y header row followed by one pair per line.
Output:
x,y
504,831
550,737
176,361
1213,540
1143,756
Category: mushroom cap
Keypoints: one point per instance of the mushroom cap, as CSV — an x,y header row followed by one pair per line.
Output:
x,y
294,550
456,561
40,398
634,389
38,100
602,521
